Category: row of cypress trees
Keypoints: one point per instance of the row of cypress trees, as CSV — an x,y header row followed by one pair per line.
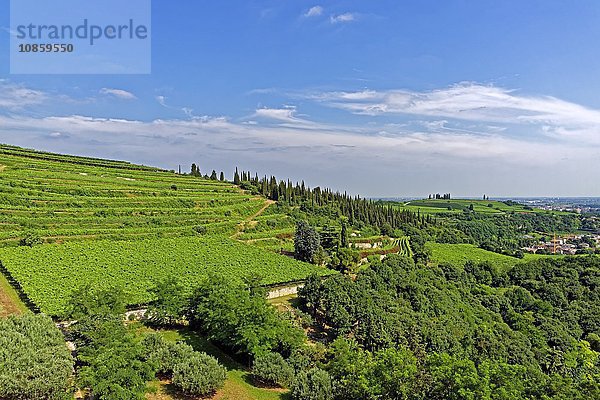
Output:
x,y
356,209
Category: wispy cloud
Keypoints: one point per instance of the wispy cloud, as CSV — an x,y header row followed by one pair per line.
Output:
x,y
341,18
188,111
162,100
262,91
8,30
118,93
280,114
314,11
16,97
474,102
387,143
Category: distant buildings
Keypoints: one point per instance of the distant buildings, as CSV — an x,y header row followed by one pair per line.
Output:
x,y
569,245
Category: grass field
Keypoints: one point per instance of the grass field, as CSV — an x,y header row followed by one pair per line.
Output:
x,y
105,222
458,254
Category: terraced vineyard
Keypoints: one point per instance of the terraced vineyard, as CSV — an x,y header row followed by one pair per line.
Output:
x,y
272,231
381,246
105,222
49,273
59,200
403,244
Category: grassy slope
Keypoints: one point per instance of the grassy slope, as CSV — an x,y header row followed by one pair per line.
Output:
x,y
105,213
271,231
458,254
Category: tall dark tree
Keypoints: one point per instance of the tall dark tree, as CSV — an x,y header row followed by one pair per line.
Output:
x,y
306,242
344,235
358,211
222,177
195,170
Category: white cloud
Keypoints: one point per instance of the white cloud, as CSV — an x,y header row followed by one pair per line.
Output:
x,y
188,111
221,132
345,17
119,93
474,102
314,11
9,31
162,100
280,114
16,97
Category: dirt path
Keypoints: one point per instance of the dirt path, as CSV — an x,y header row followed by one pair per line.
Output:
x,y
250,220
10,304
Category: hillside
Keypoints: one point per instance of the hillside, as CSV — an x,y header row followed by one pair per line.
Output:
x,y
61,199
67,221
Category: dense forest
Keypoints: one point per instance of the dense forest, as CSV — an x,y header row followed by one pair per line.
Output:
x,y
400,330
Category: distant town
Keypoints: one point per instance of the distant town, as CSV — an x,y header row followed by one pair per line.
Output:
x,y
566,244
585,242
580,205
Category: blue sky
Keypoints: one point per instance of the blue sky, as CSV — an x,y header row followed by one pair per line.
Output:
x,y
380,98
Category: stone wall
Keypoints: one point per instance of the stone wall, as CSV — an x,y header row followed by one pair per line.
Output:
x,y
283,291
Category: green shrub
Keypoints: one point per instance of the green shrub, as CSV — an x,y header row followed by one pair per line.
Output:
x,y
34,361
272,369
199,374
31,239
200,229
312,385
165,356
